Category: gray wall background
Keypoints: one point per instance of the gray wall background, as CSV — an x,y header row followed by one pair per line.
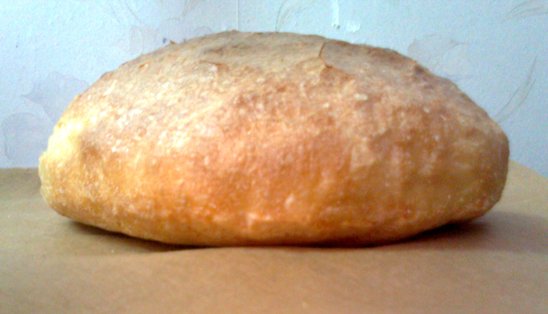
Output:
x,y
496,51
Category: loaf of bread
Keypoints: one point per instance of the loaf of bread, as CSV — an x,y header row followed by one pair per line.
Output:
x,y
273,138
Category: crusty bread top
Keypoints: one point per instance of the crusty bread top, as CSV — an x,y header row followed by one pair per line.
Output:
x,y
236,130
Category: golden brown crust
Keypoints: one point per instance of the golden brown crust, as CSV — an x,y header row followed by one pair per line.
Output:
x,y
265,138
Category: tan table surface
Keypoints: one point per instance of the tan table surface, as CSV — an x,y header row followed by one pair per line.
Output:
x,y
497,264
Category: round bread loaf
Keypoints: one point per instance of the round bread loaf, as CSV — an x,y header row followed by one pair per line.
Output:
x,y
273,138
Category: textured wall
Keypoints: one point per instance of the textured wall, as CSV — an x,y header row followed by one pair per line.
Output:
x,y
496,51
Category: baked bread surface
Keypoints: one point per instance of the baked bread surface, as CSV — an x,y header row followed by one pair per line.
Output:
x,y
273,138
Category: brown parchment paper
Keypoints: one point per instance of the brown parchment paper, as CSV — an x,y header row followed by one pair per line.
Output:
x,y
496,264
